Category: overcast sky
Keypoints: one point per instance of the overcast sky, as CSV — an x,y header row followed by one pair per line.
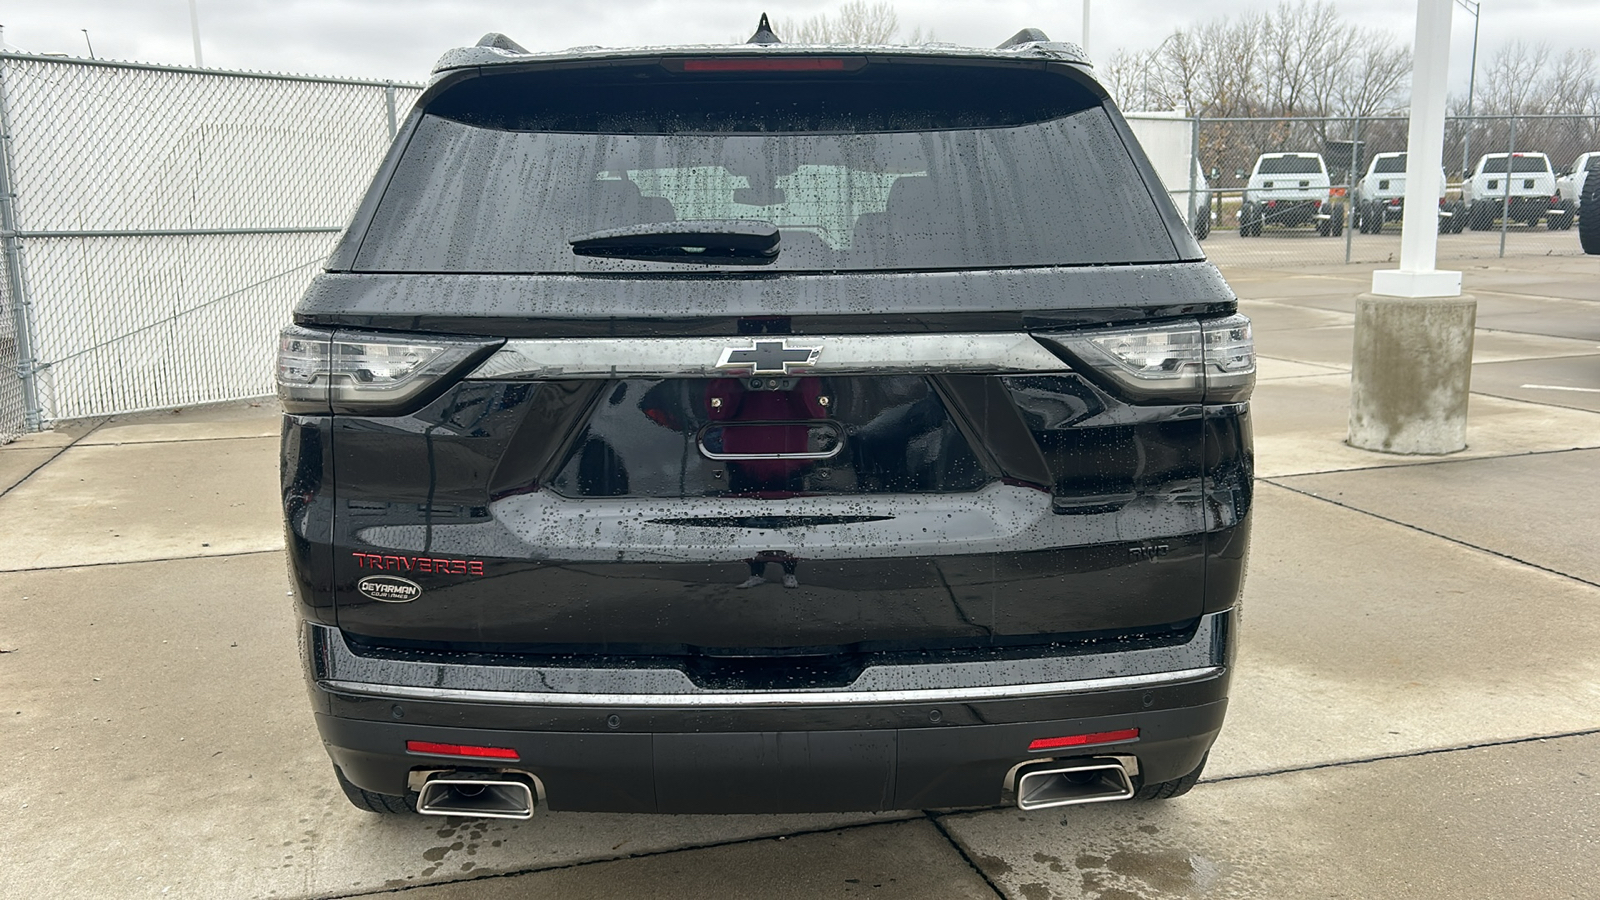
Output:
x,y
400,39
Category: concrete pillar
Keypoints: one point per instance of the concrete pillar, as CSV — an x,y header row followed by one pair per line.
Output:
x,y
1412,365
1411,373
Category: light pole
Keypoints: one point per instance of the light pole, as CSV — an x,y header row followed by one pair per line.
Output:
x,y
1472,81
1086,28
194,31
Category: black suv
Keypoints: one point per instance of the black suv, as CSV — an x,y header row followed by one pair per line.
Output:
x,y
761,428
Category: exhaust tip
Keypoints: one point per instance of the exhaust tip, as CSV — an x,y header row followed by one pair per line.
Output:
x,y
488,796
1053,783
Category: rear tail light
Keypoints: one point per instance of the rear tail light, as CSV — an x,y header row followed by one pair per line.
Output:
x,y
322,371
433,748
1188,361
1085,740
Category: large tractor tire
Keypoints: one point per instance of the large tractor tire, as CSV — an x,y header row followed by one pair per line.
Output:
x,y
1589,211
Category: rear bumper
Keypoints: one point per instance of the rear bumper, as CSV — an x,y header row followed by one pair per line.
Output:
x,y
876,747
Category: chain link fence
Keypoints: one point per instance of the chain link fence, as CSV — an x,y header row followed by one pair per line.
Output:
x,y
160,222
1271,223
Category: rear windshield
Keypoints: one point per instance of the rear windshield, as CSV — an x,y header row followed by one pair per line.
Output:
x,y
1389,165
1518,164
1290,165
895,165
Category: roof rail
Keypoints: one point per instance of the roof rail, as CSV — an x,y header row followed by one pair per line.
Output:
x,y
763,33
1025,36
498,41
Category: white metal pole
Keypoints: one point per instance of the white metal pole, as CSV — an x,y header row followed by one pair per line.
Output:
x,y
1086,30
1419,235
194,31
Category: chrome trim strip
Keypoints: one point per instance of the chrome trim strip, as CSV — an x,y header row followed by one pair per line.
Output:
x,y
773,698
830,453
698,357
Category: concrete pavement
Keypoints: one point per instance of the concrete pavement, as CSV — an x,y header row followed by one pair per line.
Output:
x,y
1417,709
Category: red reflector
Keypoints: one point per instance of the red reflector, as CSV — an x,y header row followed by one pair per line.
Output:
x,y
460,750
1083,740
763,65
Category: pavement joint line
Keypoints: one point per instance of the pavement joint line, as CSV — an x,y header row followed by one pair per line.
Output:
x,y
54,456
536,870
196,440
939,825
1545,403
1521,296
1409,754
1431,462
135,562
1558,337
1443,537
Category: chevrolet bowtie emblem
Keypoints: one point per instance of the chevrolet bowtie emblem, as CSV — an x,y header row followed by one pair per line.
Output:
x,y
769,358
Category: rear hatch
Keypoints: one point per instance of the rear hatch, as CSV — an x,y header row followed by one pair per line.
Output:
x,y
812,359
1530,176
1387,180
1289,178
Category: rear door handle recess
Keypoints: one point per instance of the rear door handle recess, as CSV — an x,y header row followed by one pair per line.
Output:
x,y
771,440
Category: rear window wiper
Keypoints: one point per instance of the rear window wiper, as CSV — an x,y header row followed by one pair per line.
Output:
x,y
740,242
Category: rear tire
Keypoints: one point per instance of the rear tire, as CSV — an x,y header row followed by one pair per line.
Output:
x,y
383,804
1202,223
1375,213
1177,787
1336,224
1458,219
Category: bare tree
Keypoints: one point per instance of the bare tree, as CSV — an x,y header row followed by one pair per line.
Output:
x,y
856,22
1301,43
1573,87
1511,82
1232,80
1133,80
1378,80
1181,62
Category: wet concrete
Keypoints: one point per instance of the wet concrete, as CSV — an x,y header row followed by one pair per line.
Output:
x,y
17,464
1466,500
1520,820
903,860
96,504
1572,382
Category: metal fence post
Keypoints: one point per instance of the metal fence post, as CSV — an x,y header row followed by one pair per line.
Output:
x,y
388,97
1505,205
1194,171
1350,187
21,309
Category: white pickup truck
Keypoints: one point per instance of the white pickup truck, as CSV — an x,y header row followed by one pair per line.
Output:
x,y
1569,187
1290,189
1380,197
1523,194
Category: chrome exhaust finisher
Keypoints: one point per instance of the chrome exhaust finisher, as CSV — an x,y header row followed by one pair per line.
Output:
x,y
485,796
1070,782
